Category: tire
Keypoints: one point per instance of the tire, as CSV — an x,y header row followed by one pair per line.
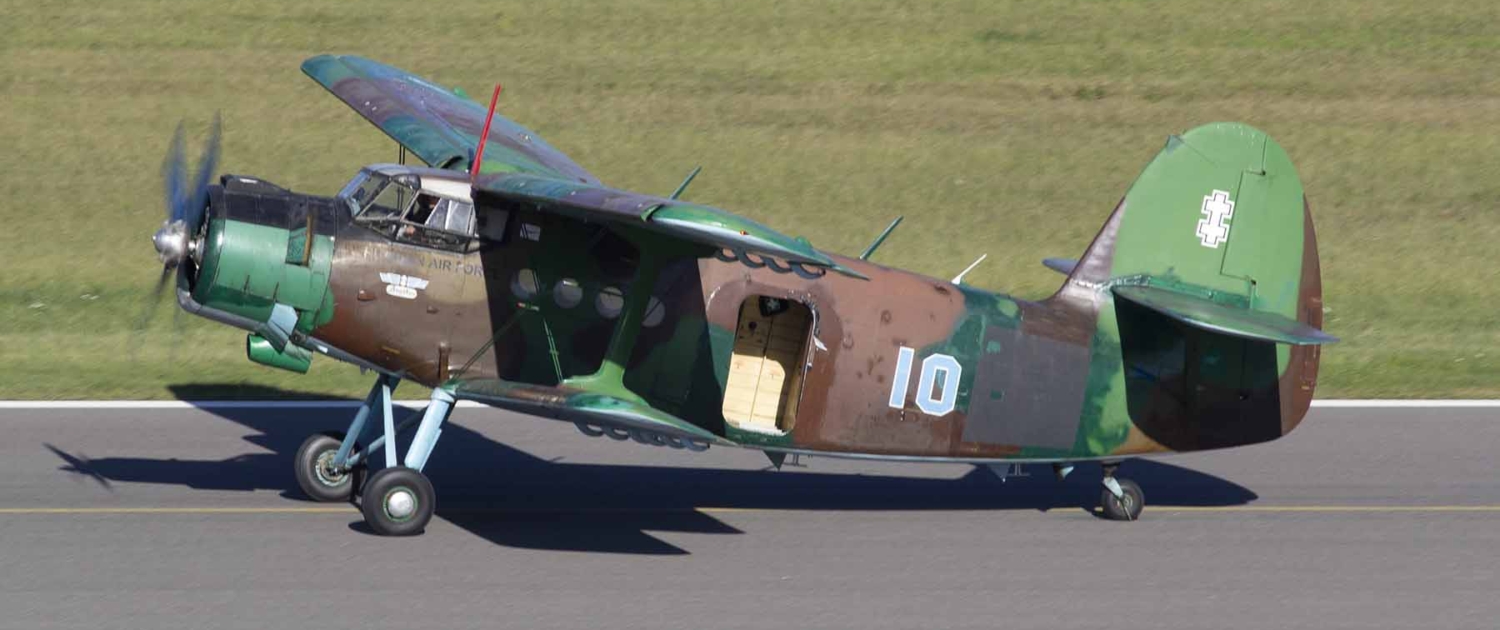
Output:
x,y
316,480
381,501
1127,507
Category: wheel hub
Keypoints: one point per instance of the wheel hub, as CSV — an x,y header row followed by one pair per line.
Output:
x,y
400,503
327,474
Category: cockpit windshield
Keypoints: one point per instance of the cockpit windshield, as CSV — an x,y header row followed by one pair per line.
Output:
x,y
360,190
389,203
373,196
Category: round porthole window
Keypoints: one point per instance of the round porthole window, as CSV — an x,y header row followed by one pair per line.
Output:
x,y
524,285
655,312
609,303
567,293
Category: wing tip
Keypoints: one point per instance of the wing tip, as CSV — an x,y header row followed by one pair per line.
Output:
x,y
313,63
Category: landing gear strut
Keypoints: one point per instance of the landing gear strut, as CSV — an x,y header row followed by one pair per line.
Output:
x,y
396,500
1122,499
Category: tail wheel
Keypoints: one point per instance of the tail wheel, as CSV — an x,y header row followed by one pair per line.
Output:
x,y
317,477
1127,506
398,501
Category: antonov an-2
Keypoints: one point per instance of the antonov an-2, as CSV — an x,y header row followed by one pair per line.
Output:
x,y
506,274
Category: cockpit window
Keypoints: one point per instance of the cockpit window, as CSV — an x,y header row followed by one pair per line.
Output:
x,y
397,208
452,215
360,190
371,196
438,222
390,202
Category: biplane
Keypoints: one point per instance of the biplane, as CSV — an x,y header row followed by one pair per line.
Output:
x,y
504,273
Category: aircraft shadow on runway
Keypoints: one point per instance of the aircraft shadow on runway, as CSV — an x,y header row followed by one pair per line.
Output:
x,y
515,499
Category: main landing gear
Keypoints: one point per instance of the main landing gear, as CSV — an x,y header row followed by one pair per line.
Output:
x,y
320,480
1122,499
396,500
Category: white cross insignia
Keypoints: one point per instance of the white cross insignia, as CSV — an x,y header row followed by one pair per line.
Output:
x,y
1213,228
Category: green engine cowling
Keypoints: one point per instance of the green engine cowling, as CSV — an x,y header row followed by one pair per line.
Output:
x,y
266,259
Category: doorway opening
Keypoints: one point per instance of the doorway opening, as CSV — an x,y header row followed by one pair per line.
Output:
x,y
768,365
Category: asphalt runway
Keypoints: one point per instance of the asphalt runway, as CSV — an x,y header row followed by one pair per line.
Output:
x,y
189,518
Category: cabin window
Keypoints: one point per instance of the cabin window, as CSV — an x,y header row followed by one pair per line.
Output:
x,y
609,302
524,285
568,293
655,313
768,365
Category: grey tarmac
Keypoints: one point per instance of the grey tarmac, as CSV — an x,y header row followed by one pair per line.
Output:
x,y
189,518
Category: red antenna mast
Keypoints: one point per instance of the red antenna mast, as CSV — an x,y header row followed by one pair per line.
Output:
x,y
479,154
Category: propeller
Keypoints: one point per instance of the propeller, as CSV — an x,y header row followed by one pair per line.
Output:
x,y
187,203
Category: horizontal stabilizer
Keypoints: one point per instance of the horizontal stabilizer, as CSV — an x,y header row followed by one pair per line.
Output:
x,y
1225,319
577,405
1063,266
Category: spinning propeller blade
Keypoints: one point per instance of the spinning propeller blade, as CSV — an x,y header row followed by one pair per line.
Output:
x,y
187,202
148,311
198,202
174,174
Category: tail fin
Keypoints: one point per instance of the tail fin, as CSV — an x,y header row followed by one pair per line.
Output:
x,y
1211,266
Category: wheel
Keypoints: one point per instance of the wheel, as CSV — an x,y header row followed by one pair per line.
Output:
x,y
1126,507
315,473
398,501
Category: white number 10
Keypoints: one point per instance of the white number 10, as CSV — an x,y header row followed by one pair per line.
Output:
x,y
943,404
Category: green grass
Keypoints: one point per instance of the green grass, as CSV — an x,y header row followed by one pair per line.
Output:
x,y
1000,127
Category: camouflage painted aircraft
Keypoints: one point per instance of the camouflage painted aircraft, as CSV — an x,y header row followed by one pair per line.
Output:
x,y
506,274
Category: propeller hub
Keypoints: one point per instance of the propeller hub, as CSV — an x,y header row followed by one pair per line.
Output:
x,y
171,242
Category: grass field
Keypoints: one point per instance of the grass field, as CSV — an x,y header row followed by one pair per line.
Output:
x,y
1000,127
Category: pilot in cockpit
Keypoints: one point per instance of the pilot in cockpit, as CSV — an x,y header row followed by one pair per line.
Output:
x,y
420,213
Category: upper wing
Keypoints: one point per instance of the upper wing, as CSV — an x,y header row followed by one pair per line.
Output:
x,y
443,128
435,123
678,219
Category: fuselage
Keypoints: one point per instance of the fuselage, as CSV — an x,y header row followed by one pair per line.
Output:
x,y
762,352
